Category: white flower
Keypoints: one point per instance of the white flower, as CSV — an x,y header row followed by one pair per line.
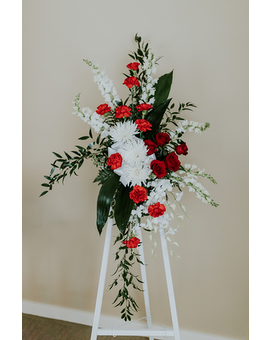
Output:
x,y
123,132
134,151
135,174
135,167
105,85
179,195
138,211
96,122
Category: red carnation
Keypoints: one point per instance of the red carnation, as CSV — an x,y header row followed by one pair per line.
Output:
x,y
138,194
131,81
151,146
122,111
156,209
143,125
144,107
102,109
182,149
172,162
158,167
114,161
162,138
133,66
132,242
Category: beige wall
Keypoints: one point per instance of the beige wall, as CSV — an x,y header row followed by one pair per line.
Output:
x,y
206,43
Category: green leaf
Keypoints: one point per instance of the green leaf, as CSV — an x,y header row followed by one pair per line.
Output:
x,y
98,139
43,193
163,87
104,200
81,149
137,38
140,52
123,207
90,145
52,170
83,137
80,163
77,153
67,155
58,155
45,185
90,133
155,117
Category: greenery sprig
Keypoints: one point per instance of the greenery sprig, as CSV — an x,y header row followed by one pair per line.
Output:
x,y
126,257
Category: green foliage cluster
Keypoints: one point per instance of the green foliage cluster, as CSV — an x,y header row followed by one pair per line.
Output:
x,y
127,258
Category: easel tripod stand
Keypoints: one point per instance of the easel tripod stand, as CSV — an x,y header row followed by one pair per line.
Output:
x,y
149,332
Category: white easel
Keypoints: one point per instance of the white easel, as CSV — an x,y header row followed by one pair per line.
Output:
x,y
149,332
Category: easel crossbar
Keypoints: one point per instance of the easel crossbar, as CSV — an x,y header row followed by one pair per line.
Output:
x,y
135,332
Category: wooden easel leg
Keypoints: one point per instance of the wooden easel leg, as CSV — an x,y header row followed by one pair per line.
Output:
x,y
144,279
169,282
102,279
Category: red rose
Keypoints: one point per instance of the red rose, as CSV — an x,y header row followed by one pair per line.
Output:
x,y
162,138
138,194
158,167
102,109
133,66
122,111
114,161
156,209
172,162
132,242
182,149
143,125
131,81
151,146
144,107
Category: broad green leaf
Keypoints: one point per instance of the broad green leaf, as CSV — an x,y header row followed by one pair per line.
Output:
x,y
163,87
123,207
155,117
104,200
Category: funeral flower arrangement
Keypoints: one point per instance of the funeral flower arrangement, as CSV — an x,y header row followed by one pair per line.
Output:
x,y
140,154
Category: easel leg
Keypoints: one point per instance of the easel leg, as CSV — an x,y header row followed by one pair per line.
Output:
x,y
144,279
102,279
169,284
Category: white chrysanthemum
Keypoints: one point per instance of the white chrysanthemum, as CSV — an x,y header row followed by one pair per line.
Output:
x,y
123,132
134,151
136,174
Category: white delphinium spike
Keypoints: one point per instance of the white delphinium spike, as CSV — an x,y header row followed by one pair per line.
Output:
x,y
148,89
105,85
191,126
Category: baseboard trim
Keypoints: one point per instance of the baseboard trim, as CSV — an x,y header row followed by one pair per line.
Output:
x,y
86,318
